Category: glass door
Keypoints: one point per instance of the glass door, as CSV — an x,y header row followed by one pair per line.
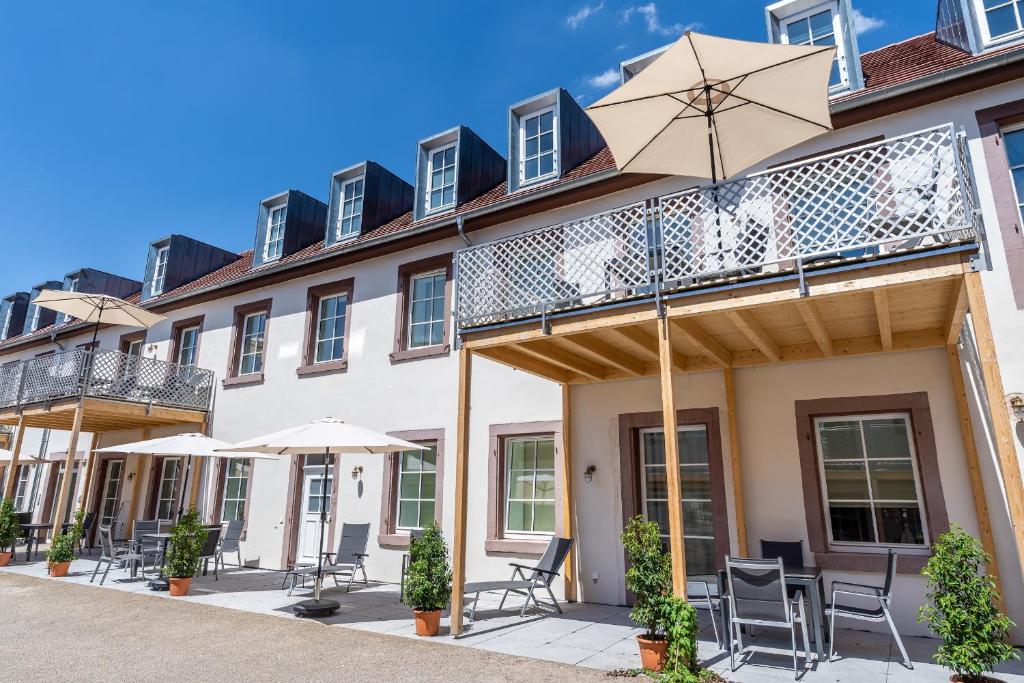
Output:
x,y
111,485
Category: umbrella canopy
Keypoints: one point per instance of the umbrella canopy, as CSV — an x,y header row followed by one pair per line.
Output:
x,y
324,436
710,107
57,456
198,445
97,308
6,455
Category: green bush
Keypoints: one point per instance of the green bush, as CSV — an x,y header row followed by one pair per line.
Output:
x,y
962,610
62,548
8,524
184,546
428,580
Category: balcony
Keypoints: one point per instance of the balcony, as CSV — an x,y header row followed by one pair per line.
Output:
x,y
144,391
896,196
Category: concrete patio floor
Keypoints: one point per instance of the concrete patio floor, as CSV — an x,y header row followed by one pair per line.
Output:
x,y
587,635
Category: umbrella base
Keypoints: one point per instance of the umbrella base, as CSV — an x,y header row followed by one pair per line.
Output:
x,y
159,584
315,608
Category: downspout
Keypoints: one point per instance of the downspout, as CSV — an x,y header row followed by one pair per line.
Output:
x,y
460,226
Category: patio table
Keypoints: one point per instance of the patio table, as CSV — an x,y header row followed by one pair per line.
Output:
x,y
159,583
32,536
811,581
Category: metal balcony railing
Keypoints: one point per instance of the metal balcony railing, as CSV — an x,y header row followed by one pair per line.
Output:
x,y
104,374
900,194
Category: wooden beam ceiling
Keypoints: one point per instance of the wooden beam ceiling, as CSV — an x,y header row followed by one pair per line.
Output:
x,y
615,357
755,332
884,322
812,317
955,312
550,352
703,341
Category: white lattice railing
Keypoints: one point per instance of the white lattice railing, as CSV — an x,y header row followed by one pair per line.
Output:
x,y
903,193
105,374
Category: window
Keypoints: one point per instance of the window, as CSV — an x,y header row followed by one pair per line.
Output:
x,y
1014,143
330,330
236,487
816,27
34,323
160,270
327,320
251,351
530,485
7,320
135,348
441,178
110,492
23,496
72,287
1003,17
426,309
167,488
351,208
537,145
275,233
188,346
417,478
871,487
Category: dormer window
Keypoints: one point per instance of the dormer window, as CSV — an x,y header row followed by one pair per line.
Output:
x,y
160,270
441,191
275,233
7,321
34,323
351,208
537,153
72,287
818,26
1003,18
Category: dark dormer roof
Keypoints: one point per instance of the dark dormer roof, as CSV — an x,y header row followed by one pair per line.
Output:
x,y
478,168
187,260
92,281
304,223
385,197
12,314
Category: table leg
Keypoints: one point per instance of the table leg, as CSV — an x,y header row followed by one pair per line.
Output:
x,y
816,618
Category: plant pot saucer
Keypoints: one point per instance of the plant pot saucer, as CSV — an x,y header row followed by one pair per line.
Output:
x,y
314,609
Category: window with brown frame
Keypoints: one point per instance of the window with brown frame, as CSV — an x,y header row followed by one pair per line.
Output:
x,y
248,355
328,318
870,474
411,493
234,487
423,309
524,487
185,337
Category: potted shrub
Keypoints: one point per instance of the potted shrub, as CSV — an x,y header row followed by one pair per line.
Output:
x,y
8,530
61,552
962,609
184,547
649,577
428,580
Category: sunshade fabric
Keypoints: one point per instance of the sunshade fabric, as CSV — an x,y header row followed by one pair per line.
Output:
x,y
97,308
6,455
195,444
56,456
324,436
764,98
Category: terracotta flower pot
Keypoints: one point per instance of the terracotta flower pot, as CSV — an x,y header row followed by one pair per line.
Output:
x,y
179,587
5,559
59,568
427,622
653,653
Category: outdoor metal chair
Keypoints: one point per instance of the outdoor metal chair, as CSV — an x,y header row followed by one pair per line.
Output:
x,y
758,597
87,522
541,575
866,593
111,553
414,534
152,550
791,552
349,558
230,542
702,593
209,550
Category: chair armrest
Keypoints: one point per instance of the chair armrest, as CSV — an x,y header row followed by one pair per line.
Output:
x,y
856,589
532,569
360,554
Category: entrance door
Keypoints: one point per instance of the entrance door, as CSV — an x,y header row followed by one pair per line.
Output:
x,y
695,480
70,503
109,492
309,515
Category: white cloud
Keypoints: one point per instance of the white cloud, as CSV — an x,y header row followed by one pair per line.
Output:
x,y
574,20
863,23
649,14
604,79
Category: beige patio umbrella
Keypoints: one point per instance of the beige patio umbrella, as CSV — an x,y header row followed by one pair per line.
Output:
x,y
330,437
710,107
97,308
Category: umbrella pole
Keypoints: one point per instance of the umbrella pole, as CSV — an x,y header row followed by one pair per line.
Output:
x,y
323,523
709,114
184,481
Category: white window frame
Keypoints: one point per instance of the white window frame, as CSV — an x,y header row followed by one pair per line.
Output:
x,y
319,318
33,324
245,335
523,180
986,34
133,345
25,488
877,547
430,173
108,479
410,322
181,346
225,499
160,270
398,488
7,321
176,482
507,499
837,32
73,285
1018,128
270,238
356,223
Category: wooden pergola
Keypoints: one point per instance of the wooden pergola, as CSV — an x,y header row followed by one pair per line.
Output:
x,y
876,307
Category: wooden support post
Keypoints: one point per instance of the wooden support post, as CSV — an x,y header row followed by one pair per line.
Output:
x,y
675,507
734,457
12,467
1006,453
140,473
973,464
461,490
69,465
90,468
568,502
197,474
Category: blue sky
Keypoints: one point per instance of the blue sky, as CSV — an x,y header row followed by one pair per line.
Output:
x,y
122,122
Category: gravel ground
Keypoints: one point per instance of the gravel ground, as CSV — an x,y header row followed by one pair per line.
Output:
x,y
56,631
